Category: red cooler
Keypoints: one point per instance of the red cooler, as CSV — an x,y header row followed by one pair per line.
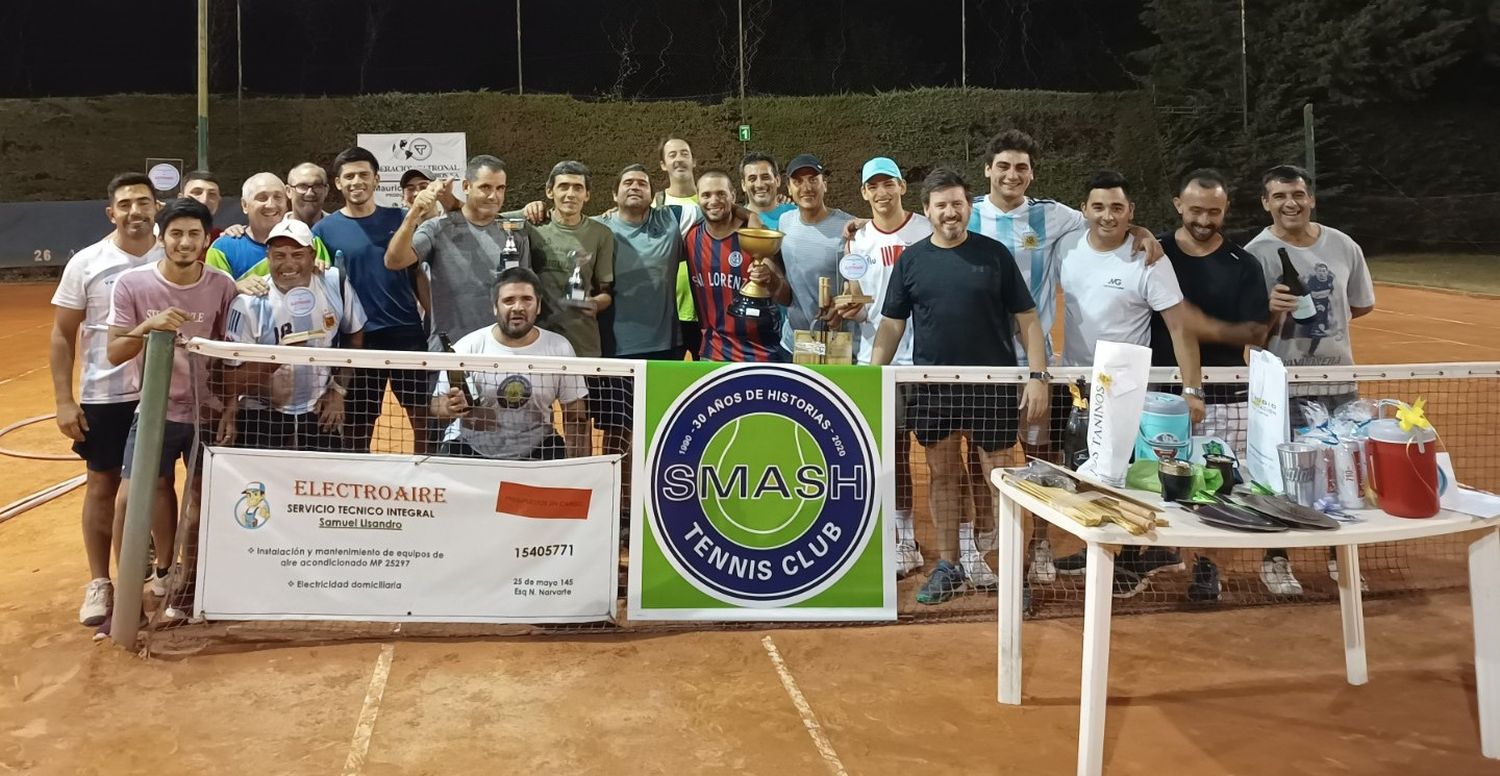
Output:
x,y
1403,468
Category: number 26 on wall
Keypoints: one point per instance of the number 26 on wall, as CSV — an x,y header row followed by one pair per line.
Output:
x,y
41,255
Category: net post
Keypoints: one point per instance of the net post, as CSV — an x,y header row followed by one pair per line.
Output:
x,y
156,379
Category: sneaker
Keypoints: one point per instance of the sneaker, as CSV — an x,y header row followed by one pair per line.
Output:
x,y
1205,586
1075,565
158,583
102,632
97,598
1042,571
987,541
945,582
1128,583
1151,561
908,558
1276,574
1333,573
180,606
979,573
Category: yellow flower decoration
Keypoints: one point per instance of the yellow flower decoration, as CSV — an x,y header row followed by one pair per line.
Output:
x,y
1413,416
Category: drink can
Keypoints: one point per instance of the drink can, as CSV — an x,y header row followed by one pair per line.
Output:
x,y
1348,465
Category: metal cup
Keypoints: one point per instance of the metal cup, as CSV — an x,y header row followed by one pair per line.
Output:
x,y
1299,471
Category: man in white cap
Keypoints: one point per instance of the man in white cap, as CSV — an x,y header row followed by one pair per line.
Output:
x,y
285,406
873,254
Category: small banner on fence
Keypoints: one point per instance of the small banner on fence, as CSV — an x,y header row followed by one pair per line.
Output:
x,y
331,536
762,492
436,154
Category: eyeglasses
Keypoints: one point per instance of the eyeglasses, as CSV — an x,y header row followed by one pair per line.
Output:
x,y
308,188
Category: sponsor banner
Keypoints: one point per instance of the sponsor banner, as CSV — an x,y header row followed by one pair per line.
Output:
x,y
761,490
337,536
436,154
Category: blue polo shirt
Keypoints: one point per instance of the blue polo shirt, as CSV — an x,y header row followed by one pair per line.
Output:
x,y
358,245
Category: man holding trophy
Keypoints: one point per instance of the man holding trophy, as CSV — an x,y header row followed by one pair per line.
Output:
x,y
734,302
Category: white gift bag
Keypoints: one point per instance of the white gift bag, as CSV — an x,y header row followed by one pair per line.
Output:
x,y
1269,424
1117,394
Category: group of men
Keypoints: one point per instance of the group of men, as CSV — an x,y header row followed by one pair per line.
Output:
x,y
972,280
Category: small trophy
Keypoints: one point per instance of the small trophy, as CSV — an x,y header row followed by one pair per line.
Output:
x,y
510,255
578,293
853,268
753,300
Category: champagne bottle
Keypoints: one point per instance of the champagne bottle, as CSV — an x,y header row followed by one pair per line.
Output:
x,y
1076,432
458,378
1306,310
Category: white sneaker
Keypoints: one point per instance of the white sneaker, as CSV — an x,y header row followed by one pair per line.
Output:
x,y
978,572
1276,574
1333,573
96,600
158,584
1042,571
987,541
908,558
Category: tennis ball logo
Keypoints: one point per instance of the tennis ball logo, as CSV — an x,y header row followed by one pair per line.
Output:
x,y
763,480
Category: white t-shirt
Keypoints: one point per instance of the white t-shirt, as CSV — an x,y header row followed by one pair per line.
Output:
x,y
1110,296
1033,233
1337,278
519,402
323,306
883,249
88,284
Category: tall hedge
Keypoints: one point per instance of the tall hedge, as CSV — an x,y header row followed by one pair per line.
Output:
x,y
60,149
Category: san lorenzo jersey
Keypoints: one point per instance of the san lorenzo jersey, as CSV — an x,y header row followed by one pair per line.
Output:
x,y
716,270
325,307
1031,232
883,249
88,284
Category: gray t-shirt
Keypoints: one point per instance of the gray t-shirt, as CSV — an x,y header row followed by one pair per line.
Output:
x,y
1335,273
645,302
810,251
464,260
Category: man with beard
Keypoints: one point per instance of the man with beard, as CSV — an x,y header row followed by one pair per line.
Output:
x,y
100,418
307,189
1332,267
811,249
513,416
178,294
967,298
465,249
287,407
717,269
360,234
243,254
761,183
678,163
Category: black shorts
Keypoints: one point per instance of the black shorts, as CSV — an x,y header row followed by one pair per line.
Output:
x,y
987,412
178,442
103,445
413,387
610,401
263,429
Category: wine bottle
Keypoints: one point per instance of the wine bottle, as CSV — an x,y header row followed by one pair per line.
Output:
x,y
1306,310
459,378
1076,432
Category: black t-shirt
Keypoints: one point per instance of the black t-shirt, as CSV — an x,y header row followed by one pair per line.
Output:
x,y
1227,284
962,301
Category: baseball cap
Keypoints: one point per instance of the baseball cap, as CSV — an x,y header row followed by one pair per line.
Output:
x,y
293,230
255,487
802,161
880,165
413,173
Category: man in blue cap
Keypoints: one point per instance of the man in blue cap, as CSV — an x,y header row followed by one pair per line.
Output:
x,y
812,246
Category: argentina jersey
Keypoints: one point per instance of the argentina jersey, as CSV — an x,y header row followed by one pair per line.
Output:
x,y
1031,232
316,315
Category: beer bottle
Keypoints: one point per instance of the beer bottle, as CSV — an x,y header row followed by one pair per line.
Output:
x,y
458,378
1076,432
1306,310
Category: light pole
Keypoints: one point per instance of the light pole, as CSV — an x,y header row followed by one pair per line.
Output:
x,y
963,45
203,84
520,82
741,6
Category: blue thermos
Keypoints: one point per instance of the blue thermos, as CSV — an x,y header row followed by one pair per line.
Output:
x,y
1165,426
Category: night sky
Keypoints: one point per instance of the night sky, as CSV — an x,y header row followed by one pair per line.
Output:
x,y
672,49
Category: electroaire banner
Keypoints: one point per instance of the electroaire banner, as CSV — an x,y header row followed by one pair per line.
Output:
x,y
436,154
336,536
760,488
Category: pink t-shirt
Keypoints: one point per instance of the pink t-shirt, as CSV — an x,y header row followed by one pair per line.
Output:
x,y
142,292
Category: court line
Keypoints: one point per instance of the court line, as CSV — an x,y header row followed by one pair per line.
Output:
x,y
21,375
809,720
1368,327
359,747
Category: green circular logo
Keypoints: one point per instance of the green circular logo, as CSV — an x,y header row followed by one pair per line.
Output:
x,y
765,452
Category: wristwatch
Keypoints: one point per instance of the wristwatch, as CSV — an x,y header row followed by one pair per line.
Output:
x,y
1188,390
1045,377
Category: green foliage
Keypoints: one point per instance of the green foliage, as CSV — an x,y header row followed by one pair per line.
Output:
x,y
67,148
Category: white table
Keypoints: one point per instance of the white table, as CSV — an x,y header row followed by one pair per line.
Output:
x,y
1187,531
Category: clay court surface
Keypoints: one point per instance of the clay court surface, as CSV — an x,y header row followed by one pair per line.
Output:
x,y
1241,691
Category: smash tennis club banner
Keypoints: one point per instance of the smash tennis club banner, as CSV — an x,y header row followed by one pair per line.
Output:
x,y
436,154
761,490
323,536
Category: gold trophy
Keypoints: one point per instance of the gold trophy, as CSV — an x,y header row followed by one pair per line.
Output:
x,y
753,300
